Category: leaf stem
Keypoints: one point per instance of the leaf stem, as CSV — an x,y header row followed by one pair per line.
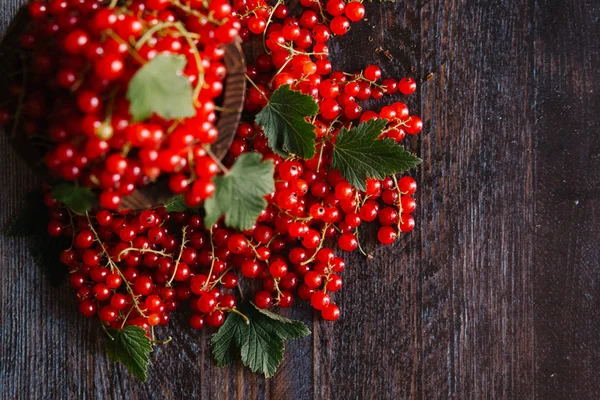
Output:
x,y
106,331
236,311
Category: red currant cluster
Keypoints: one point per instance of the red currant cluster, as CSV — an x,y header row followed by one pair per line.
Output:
x,y
137,267
81,56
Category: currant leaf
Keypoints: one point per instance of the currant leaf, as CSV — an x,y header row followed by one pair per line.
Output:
x,y
239,194
359,154
78,199
176,204
284,123
260,342
160,88
131,347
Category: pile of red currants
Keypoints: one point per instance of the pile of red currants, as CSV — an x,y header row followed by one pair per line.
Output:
x,y
136,267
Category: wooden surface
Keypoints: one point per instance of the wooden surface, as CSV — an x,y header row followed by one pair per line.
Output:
x,y
496,294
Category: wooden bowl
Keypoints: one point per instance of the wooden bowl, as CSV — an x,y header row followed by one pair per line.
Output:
x,y
157,193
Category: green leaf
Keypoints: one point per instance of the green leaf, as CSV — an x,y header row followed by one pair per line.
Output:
x,y
359,154
78,199
284,123
260,343
131,347
176,204
160,87
31,223
239,194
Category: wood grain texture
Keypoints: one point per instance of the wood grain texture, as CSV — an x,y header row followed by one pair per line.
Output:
x,y
495,295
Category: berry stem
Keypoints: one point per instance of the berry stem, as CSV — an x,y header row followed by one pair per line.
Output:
x,y
187,9
314,256
212,155
132,52
399,203
183,243
162,253
212,261
256,87
167,340
114,267
197,58
264,38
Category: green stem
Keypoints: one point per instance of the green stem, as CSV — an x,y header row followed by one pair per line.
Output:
x,y
236,311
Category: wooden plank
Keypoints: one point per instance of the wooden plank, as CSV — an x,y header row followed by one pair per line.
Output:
x,y
477,252
567,184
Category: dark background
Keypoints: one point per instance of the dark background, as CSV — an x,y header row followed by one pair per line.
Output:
x,y
495,295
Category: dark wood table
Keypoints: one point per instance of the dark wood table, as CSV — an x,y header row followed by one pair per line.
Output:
x,y
495,295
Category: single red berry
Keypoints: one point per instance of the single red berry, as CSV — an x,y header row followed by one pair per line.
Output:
x,y
108,314
387,234
206,303
355,11
331,312
88,308
263,299
215,318
347,242
407,185
319,300
407,86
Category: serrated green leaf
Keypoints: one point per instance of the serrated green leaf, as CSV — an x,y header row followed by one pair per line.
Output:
x,y
79,199
223,341
176,204
359,154
239,194
31,224
284,123
260,343
131,347
159,87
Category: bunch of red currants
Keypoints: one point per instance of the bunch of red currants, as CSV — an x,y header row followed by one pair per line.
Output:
x,y
137,267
